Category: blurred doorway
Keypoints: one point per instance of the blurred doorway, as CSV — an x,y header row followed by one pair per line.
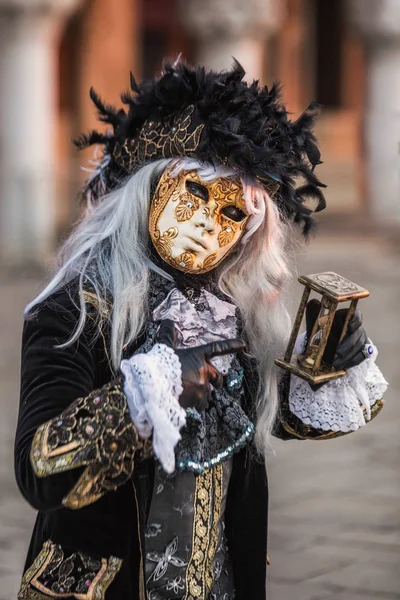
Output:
x,y
316,56
339,87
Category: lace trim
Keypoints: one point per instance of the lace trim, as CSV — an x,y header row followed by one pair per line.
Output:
x,y
213,319
212,436
153,384
343,404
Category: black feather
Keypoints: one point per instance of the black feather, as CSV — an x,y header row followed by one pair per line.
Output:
x,y
311,191
90,138
134,85
246,127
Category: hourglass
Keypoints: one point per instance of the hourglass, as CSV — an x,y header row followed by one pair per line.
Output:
x,y
334,289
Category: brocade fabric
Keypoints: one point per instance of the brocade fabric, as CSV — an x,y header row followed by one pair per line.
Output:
x,y
200,317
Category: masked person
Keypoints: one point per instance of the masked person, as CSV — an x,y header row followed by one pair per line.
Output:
x,y
149,391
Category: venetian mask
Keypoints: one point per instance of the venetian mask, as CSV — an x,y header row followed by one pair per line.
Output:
x,y
194,224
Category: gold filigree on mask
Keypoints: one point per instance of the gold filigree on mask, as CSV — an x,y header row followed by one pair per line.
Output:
x,y
186,207
163,242
184,261
209,262
229,191
202,234
228,232
157,139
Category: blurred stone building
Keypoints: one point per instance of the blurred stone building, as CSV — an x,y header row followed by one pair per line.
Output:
x,y
344,53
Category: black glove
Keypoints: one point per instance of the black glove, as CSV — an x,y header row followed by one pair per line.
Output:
x,y
349,352
197,371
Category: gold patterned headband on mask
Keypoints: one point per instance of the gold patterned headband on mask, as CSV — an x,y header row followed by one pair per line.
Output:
x,y
195,224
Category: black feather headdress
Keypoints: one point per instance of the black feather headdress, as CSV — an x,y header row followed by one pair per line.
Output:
x,y
213,117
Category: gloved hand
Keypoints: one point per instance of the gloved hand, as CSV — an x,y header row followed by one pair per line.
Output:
x,y
349,352
197,371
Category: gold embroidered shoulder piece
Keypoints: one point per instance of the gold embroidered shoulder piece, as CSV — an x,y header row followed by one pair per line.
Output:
x,y
101,306
96,432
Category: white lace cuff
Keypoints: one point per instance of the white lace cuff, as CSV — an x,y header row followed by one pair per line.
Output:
x,y
342,404
153,384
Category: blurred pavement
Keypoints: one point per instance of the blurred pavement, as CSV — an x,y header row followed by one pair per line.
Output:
x,y
335,505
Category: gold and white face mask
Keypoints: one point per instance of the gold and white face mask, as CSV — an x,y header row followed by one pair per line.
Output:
x,y
194,224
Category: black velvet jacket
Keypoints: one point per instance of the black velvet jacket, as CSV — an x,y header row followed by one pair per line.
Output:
x,y
81,464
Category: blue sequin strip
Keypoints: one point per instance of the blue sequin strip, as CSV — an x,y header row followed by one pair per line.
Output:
x,y
196,467
235,380
192,412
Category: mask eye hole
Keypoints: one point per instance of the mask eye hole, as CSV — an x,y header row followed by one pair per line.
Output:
x,y
198,190
234,213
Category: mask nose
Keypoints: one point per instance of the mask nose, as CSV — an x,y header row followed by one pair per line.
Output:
x,y
205,220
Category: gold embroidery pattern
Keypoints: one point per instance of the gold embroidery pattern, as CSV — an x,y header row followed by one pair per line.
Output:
x,y
208,496
216,515
54,575
160,140
101,306
96,432
24,591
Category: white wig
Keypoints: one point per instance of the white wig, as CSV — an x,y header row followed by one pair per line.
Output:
x,y
113,237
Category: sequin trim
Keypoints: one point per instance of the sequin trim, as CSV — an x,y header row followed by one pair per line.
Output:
x,y
202,467
56,574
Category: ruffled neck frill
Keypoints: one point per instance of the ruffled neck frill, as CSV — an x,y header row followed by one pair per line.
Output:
x,y
203,315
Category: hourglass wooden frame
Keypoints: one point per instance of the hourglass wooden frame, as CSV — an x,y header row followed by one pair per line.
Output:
x,y
334,289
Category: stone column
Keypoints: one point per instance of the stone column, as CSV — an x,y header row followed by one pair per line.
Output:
x,y
378,21
232,28
110,46
292,68
29,32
